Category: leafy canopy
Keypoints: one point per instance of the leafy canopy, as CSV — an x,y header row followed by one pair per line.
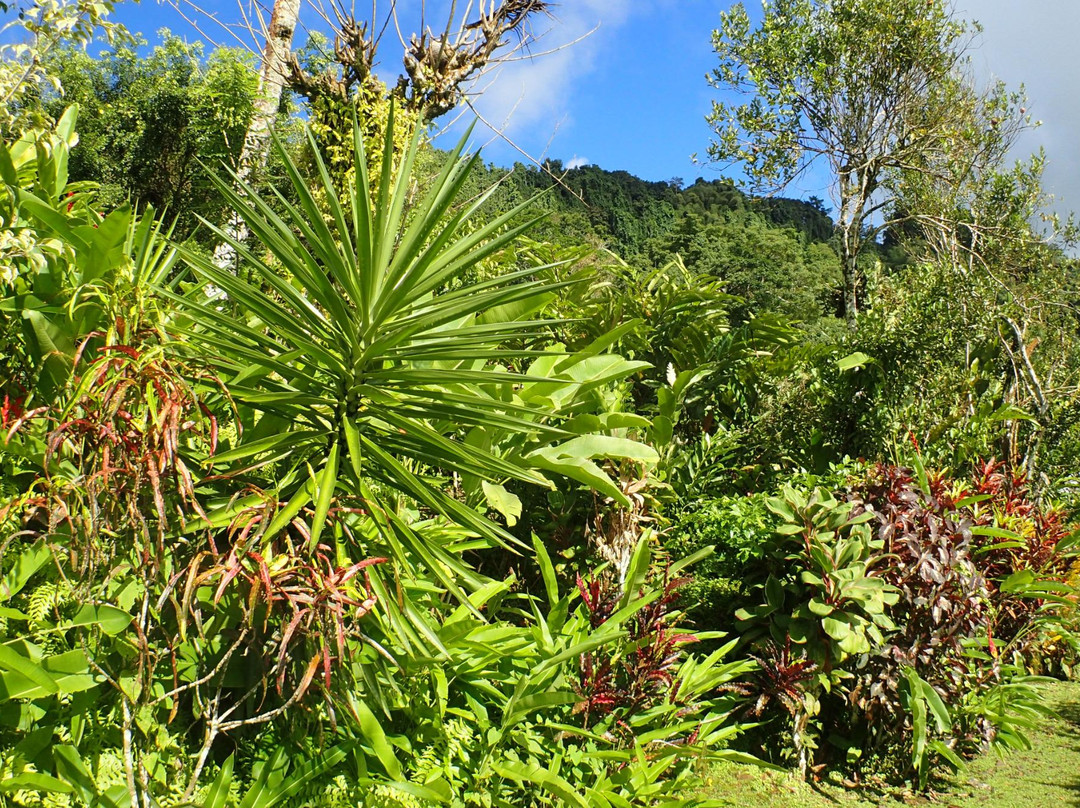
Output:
x,y
853,81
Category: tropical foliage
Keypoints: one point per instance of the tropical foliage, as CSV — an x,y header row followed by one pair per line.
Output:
x,y
462,487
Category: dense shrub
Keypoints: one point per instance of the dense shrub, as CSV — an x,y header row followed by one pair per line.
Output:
x,y
738,529
890,612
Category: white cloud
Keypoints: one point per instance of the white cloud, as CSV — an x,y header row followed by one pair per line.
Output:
x,y
577,162
533,95
1034,44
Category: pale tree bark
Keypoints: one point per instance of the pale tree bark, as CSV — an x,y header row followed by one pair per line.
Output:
x,y
272,78
848,227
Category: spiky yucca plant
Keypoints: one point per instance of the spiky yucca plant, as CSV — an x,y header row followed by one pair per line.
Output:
x,y
355,335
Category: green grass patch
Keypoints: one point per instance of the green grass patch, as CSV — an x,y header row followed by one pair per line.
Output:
x,y
1046,775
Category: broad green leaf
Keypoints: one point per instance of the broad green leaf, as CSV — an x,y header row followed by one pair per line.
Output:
x,y
301,774
538,701
583,471
73,771
593,446
852,361
995,532
269,774
28,562
109,619
937,706
373,731
838,629
637,572
12,660
501,500
426,792
689,561
524,773
547,570
954,760
35,781
217,795
1018,582
1010,412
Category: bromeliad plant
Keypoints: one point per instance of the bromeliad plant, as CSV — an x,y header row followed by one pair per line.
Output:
x,y
616,685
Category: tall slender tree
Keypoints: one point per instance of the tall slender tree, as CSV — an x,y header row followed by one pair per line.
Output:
x,y
272,77
872,89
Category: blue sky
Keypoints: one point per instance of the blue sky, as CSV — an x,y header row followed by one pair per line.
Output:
x,y
632,94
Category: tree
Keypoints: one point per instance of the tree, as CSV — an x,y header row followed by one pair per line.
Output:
x,y
272,74
150,125
875,89
275,57
31,31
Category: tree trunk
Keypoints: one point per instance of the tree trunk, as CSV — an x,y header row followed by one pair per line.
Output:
x,y
851,283
254,154
849,262
849,228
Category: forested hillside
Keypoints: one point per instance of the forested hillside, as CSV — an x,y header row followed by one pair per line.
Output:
x,y
341,469
772,252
